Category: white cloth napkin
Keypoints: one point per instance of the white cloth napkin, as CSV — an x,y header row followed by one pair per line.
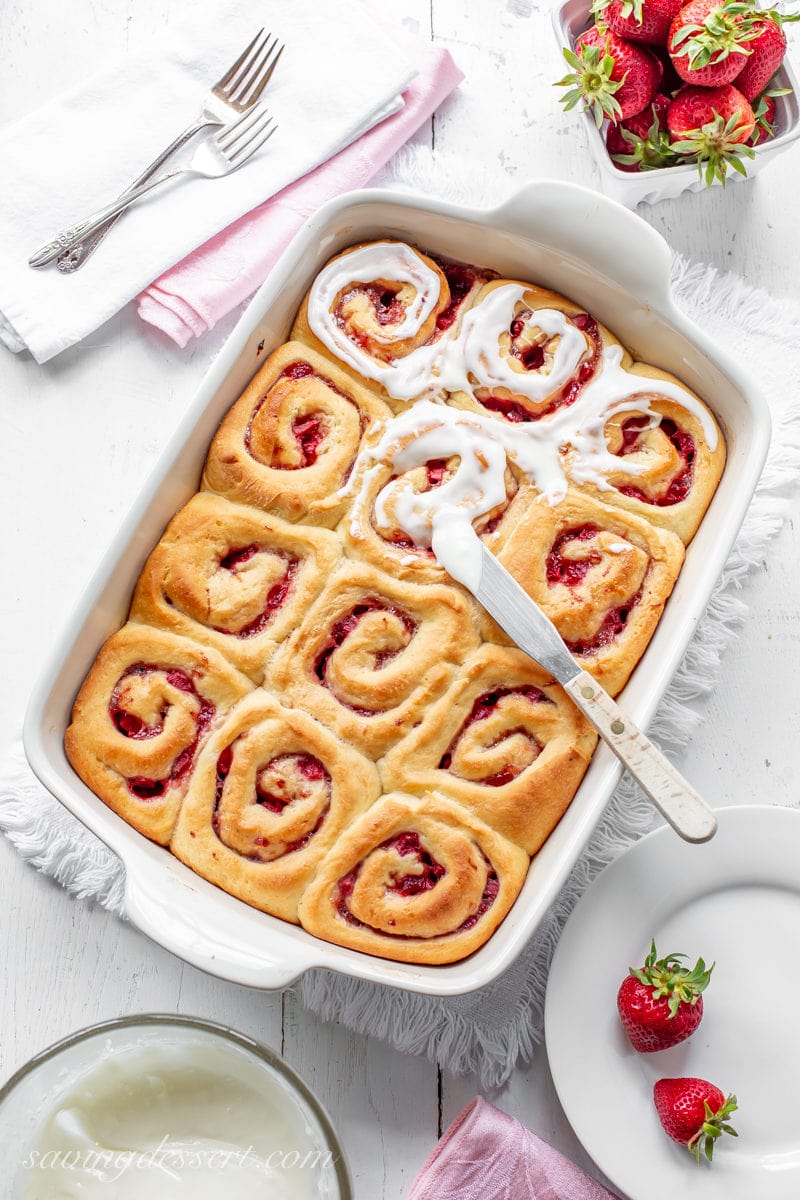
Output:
x,y
340,74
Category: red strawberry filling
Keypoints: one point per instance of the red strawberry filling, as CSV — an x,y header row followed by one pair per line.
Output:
x,y
424,880
309,430
275,798
570,571
309,433
680,486
345,626
481,709
532,358
132,726
461,279
613,624
277,594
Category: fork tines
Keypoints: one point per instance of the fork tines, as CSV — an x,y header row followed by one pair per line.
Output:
x,y
255,126
252,71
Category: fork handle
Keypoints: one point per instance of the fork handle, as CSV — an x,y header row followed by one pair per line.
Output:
x,y
77,233
70,260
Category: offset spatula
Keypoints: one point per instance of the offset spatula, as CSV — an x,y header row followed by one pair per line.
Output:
x,y
526,624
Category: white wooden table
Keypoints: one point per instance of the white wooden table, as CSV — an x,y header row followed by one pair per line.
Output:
x,y
80,434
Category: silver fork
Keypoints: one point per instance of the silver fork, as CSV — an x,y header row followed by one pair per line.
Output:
x,y
224,153
236,92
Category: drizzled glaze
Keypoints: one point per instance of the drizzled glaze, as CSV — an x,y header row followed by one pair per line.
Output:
x,y
470,359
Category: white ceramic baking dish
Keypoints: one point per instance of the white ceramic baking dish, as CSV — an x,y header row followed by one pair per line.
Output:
x,y
565,237
634,187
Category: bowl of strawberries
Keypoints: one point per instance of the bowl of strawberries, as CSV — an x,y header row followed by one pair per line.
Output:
x,y
678,96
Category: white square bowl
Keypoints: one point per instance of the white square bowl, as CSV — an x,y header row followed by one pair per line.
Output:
x,y
570,19
561,236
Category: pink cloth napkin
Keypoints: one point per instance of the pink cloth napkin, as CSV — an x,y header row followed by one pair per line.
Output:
x,y
487,1155
189,298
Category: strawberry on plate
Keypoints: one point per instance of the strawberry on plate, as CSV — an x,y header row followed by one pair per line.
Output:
x,y
764,111
660,1003
638,20
709,40
615,78
694,1113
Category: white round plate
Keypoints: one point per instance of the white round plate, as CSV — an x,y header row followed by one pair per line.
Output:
x,y
736,901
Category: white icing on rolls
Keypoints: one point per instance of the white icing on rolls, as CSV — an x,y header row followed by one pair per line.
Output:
x,y
563,445
406,377
474,359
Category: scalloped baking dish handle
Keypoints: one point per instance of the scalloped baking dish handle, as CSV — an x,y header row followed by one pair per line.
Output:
x,y
187,923
596,230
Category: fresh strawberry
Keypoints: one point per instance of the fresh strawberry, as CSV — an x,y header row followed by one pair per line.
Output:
x,y
660,1003
694,1113
711,126
709,40
638,20
767,50
764,110
642,143
613,77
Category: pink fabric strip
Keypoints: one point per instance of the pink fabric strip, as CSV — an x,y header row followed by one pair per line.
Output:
x,y
189,298
487,1155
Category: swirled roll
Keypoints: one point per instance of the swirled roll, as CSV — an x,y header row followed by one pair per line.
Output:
x,y
416,879
526,352
383,310
234,578
141,717
668,469
271,793
600,574
290,441
504,741
372,652
373,530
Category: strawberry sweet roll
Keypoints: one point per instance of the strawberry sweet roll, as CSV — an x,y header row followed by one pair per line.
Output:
x,y
271,793
234,578
505,741
372,652
386,311
669,451
290,441
415,879
141,717
600,574
525,352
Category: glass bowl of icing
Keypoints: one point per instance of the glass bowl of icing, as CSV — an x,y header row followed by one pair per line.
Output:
x,y
169,1107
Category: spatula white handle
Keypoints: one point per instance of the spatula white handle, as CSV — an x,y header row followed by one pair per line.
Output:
x,y
675,799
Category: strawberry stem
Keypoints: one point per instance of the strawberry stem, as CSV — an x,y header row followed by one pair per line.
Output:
x,y
714,1125
669,977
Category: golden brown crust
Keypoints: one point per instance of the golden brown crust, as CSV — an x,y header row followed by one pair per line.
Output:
x,y
234,578
290,441
372,652
143,713
271,793
676,481
600,574
415,879
504,741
